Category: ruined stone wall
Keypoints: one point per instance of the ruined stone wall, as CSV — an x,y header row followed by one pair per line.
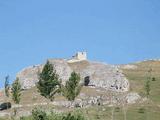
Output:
x,y
80,56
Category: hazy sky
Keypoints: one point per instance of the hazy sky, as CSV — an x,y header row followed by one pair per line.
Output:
x,y
112,31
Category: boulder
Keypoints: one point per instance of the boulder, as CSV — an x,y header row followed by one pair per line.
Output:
x,y
132,97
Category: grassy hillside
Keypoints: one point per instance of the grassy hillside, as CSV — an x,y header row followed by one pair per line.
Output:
x,y
148,110
138,76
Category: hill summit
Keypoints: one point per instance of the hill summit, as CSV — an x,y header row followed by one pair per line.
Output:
x,y
99,75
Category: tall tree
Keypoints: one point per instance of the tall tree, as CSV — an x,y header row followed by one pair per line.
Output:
x,y
49,82
72,87
147,88
6,85
16,91
147,83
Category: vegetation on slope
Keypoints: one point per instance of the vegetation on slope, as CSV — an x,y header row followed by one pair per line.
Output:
x,y
138,77
139,111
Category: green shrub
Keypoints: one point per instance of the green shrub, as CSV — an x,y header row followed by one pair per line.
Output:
x,y
97,116
70,116
25,118
153,79
39,114
22,118
117,109
76,115
55,116
141,110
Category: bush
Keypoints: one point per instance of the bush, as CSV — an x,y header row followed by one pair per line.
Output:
x,y
141,110
22,118
153,79
39,114
69,116
25,118
55,116
117,109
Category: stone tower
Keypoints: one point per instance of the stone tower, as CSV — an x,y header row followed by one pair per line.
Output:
x,y
79,56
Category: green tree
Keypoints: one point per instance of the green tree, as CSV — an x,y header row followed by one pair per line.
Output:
x,y
147,83
49,82
6,85
147,88
16,91
72,87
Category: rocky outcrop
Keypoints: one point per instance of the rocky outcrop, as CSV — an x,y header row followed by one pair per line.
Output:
x,y
118,99
29,76
99,74
132,97
105,76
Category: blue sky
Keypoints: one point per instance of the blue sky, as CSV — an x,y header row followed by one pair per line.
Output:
x,y
112,31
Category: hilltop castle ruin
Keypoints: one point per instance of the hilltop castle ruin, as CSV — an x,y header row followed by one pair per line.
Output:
x,y
79,56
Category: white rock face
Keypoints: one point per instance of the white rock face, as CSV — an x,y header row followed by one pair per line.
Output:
x,y
106,76
62,69
132,98
100,75
29,76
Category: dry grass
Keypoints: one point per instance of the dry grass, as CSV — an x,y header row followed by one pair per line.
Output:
x,y
137,78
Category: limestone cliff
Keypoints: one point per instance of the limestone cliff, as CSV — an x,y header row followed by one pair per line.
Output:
x,y
100,74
